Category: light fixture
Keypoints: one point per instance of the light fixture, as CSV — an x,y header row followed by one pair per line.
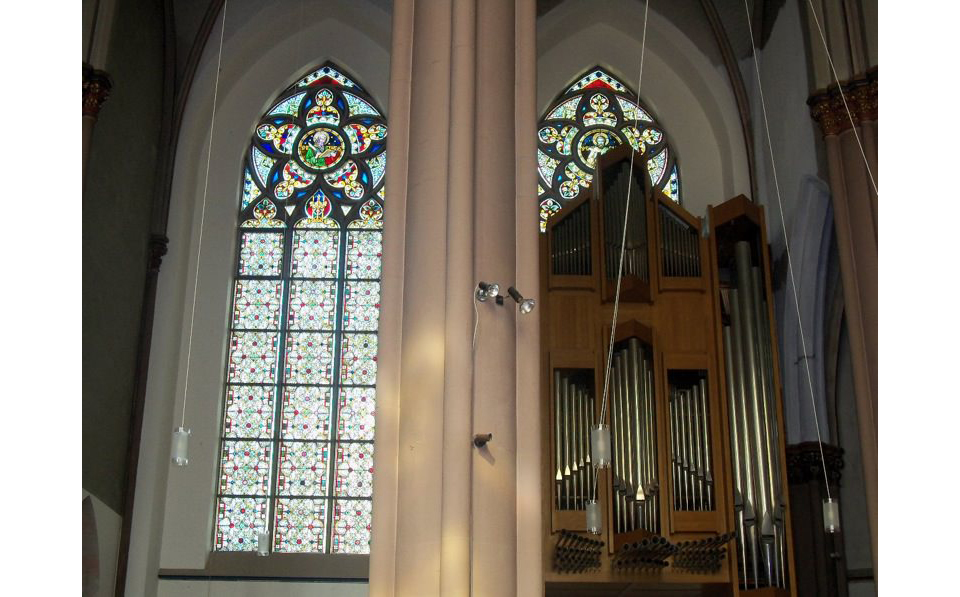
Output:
x,y
263,543
593,517
485,291
178,452
831,515
526,305
600,444
481,439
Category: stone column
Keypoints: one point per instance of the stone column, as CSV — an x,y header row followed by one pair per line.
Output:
x,y
855,218
461,206
96,89
817,553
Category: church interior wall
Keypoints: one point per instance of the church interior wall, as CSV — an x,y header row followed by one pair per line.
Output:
x,y
258,62
117,198
683,86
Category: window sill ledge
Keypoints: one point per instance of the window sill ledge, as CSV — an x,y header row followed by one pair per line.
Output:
x,y
283,567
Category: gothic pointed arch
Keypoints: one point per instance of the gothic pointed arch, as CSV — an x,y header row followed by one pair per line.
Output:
x,y
298,413
593,115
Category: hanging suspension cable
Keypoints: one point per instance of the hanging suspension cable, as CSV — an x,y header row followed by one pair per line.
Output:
x,y
203,213
843,98
623,242
793,282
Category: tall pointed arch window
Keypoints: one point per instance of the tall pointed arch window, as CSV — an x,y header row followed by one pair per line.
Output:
x,y
297,434
593,115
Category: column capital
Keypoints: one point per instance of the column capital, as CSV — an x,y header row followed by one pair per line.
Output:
x,y
157,249
804,463
96,89
826,105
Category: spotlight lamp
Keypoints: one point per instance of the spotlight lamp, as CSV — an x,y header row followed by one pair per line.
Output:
x,y
485,291
526,305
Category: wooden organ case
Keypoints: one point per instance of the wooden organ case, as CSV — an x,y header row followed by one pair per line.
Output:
x,y
695,499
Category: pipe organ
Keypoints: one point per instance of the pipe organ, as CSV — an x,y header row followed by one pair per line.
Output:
x,y
695,496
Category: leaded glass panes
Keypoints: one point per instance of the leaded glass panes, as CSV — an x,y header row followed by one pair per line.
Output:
x,y
361,305
261,253
253,357
359,359
306,413
245,467
248,413
303,469
238,520
315,253
354,470
363,255
357,407
300,525
595,114
301,366
312,305
309,358
351,533
256,304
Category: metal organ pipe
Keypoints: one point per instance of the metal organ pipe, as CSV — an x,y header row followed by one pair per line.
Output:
x,y
758,482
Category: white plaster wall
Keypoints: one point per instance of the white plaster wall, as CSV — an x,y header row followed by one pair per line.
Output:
x,y
784,73
265,49
687,94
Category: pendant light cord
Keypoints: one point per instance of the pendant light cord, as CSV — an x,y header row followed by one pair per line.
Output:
x,y
203,213
786,242
843,97
623,240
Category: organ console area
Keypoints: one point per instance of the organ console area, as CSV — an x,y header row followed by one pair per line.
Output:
x,y
695,498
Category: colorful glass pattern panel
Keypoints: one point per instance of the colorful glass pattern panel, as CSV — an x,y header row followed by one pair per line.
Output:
x,y
356,418
300,525
656,166
249,412
315,254
303,469
364,251
313,305
245,467
309,358
261,253
306,413
252,357
361,306
351,522
256,304
595,114
300,392
358,365
239,520
354,470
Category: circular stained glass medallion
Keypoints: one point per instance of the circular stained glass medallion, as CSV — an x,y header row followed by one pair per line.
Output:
x,y
321,148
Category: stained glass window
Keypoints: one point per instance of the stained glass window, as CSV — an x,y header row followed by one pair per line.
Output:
x,y
296,456
595,114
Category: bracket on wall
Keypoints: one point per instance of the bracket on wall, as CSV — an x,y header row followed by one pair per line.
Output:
x,y
480,440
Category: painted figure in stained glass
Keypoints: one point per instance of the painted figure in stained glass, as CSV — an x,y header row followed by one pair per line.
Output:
x,y
321,148
604,114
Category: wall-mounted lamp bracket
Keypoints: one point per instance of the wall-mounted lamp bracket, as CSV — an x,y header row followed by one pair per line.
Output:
x,y
481,439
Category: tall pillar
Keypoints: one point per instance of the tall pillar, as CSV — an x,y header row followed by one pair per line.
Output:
x,y
855,219
449,518
96,90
